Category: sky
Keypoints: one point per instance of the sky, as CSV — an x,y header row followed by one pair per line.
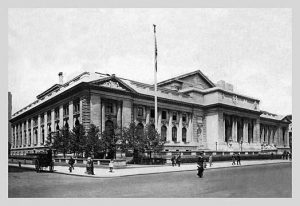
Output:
x,y
249,48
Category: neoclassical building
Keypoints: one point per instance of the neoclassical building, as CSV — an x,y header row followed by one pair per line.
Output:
x,y
193,113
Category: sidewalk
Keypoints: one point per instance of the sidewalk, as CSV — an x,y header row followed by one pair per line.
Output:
x,y
131,170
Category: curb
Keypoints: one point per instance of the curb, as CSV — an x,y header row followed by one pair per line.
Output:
x,y
127,175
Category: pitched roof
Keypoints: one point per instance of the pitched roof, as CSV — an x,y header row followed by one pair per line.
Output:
x,y
186,75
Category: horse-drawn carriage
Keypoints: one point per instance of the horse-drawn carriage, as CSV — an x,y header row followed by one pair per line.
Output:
x,y
42,159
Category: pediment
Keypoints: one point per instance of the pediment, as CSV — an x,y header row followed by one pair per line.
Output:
x,y
196,78
113,83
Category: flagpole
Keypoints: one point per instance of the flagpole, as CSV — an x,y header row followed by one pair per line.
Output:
x,y
155,78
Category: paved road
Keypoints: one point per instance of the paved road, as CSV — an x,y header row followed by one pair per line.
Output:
x,y
252,181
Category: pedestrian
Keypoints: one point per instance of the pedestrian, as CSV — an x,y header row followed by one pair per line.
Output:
x,y
111,165
173,160
210,159
71,164
238,159
90,166
200,166
272,156
233,159
178,160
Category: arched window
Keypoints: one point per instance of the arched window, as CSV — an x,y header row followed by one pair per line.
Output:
x,y
174,134
164,133
184,134
140,129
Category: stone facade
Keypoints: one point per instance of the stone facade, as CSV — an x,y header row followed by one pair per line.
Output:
x,y
193,114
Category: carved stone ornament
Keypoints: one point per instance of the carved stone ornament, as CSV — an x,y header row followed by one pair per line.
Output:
x,y
112,84
234,99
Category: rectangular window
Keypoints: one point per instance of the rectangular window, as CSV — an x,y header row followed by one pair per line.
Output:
x,y
174,117
66,109
164,115
183,117
76,106
42,119
152,113
109,108
49,116
56,113
140,112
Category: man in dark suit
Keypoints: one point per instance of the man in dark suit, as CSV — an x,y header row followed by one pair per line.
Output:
x,y
200,165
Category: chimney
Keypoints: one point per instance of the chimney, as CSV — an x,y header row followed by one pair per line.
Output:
x,y
60,78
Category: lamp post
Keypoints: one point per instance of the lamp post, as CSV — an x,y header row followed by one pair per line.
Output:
x,y
216,146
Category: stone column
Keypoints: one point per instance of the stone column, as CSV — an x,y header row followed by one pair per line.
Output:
x,y
80,111
52,120
119,114
286,137
71,113
245,131
61,116
267,135
22,132
147,112
45,128
159,122
179,130
169,129
224,128
39,131
271,135
256,133
12,136
234,130
27,134
103,116
126,112
189,137
32,133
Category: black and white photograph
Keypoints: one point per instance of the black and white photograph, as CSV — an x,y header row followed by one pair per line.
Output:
x,y
149,103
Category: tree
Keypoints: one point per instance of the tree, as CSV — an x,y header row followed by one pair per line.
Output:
x,y
109,140
59,141
140,140
153,141
93,145
78,139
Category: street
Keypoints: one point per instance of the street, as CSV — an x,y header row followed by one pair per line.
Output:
x,y
273,180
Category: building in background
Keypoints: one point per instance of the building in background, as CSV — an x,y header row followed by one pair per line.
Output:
x,y
289,117
194,114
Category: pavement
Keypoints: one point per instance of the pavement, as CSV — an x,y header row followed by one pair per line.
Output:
x,y
132,170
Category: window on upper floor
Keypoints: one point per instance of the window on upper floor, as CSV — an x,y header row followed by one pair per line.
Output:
x,y
140,112
48,116
174,134
56,112
164,115
109,108
152,113
66,109
76,105
184,119
174,116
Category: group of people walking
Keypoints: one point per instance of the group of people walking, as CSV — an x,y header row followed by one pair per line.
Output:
x,y
236,158
176,160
